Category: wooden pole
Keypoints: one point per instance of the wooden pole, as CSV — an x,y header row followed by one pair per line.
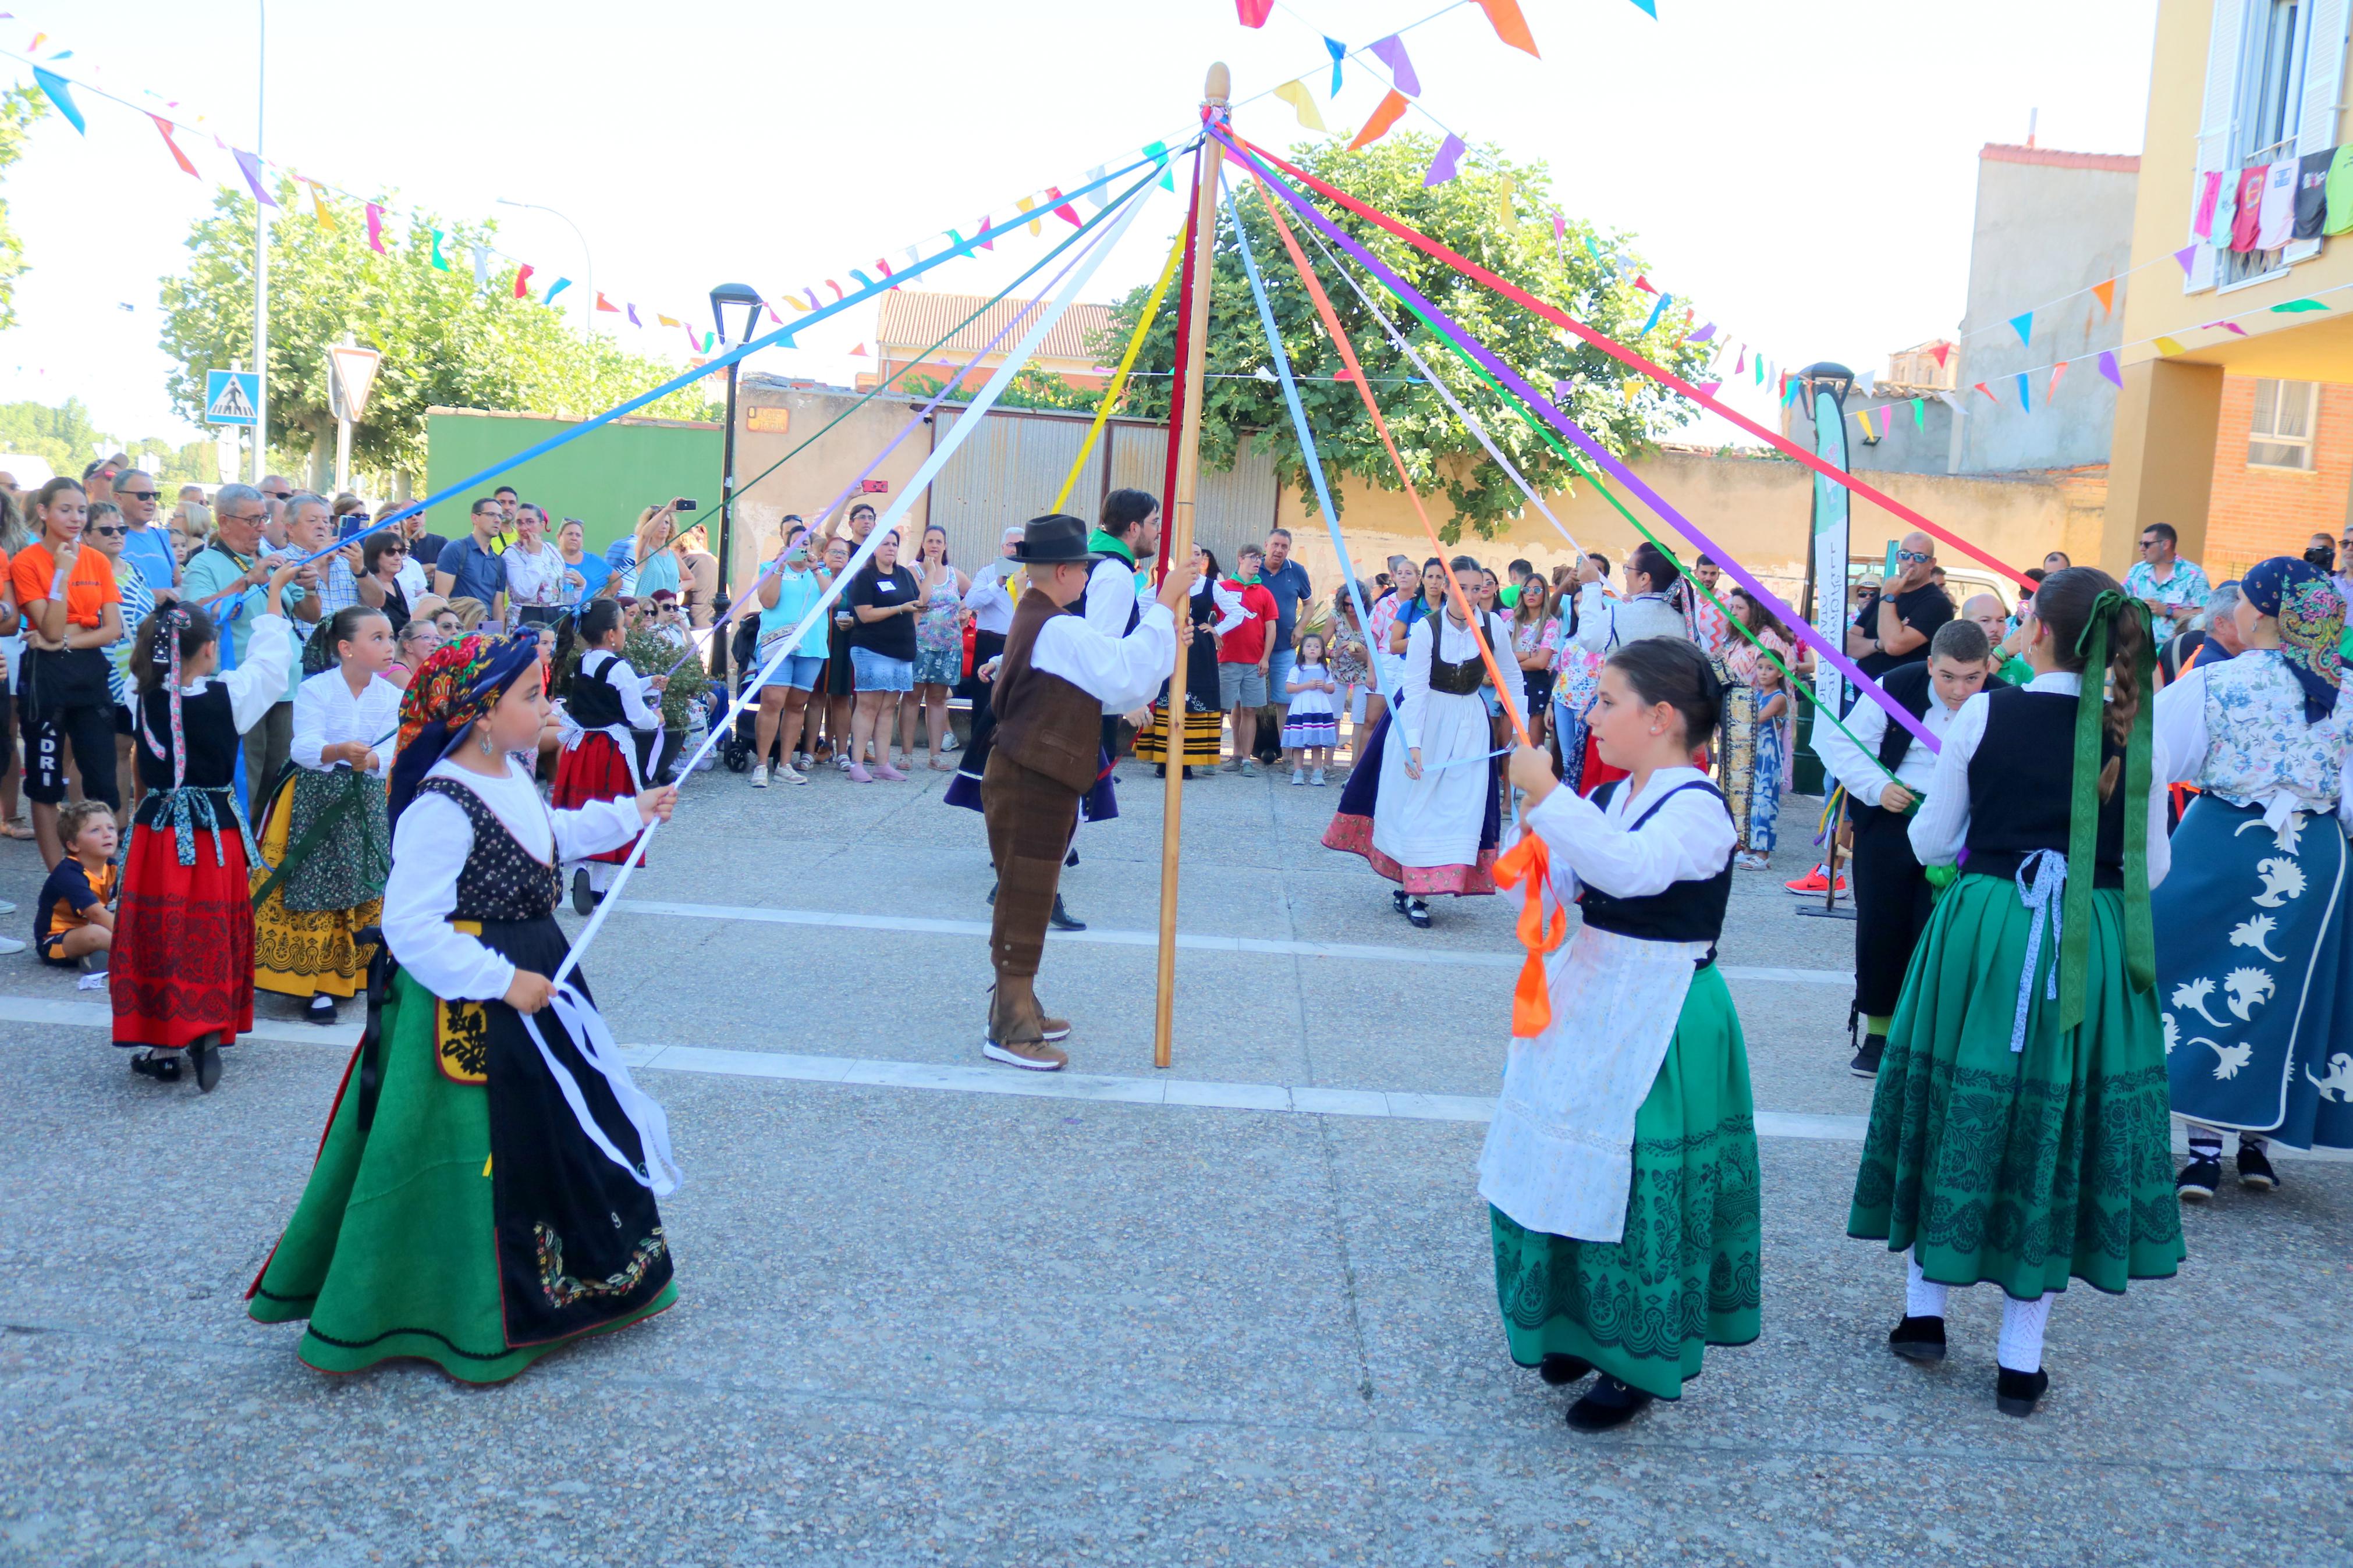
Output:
x,y
1184,429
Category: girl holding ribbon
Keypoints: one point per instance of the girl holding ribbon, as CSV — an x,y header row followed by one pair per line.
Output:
x,y
2020,1134
486,1189
1620,1166
182,973
2254,971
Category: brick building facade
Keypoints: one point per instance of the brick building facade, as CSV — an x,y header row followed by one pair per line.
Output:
x,y
2274,490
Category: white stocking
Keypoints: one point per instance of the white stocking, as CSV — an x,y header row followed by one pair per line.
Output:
x,y
2021,1333
1923,1298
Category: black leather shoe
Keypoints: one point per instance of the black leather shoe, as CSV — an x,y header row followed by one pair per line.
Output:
x,y
321,1010
992,895
1060,919
2255,1171
1559,1369
204,1056
1398,900
1609,1404
1919,1339
583,902
1417,914
1866,1060
2015,1392
163,1070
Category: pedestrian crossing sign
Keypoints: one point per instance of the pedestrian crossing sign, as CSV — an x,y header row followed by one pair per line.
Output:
x,y
231,397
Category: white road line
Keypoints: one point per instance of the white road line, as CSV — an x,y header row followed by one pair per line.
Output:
x,y
1187,941
1397,1105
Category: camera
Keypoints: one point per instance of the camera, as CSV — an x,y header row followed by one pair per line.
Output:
x,y
2321,555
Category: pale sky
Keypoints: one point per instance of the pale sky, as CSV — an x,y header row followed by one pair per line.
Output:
x,y
1803,171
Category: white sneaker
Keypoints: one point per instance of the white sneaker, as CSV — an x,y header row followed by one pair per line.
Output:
x,y
1297,777
788,773
7,906
10,945
1316,778
759,775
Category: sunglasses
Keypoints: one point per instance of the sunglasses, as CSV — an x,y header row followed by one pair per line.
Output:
x,y
1911,557
281,495
109,529
140,495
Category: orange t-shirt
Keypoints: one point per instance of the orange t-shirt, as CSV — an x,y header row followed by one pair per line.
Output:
x,y
90,587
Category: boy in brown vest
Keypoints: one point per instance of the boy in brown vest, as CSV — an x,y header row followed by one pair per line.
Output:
x,y
1055,679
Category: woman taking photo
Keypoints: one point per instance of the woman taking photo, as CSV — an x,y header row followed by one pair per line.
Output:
x,y
72,612
382,555
790,592
655,566
1535,638
1204,724
883,603
939,642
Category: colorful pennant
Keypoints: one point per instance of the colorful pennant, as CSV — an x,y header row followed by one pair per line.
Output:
x,y
2106,295
1302,104
523,281
558,287
438,260
251,165
2108,366
178,157
2050,391
60,94
1511,27
1385,114
1254,13
1339,52
2185,255
376,234
2295,305
1391,52
1447,164
2024,325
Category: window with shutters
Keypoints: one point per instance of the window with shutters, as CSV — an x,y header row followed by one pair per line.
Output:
x,y
2275,74
2270,102
2280,436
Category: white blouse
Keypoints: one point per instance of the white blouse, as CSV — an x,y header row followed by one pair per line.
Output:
x,y
625,679
430,846
256,686
326,714
2237,728
1941,829
1690,841
1120,672
1457,646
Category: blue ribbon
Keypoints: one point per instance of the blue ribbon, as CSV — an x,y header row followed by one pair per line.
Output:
x,y
190,807
2047,870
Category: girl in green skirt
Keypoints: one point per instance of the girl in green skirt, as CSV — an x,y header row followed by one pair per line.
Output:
x,y
1620,1168
2019,1131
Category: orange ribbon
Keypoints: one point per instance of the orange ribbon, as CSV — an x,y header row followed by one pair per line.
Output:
x,y
1531,999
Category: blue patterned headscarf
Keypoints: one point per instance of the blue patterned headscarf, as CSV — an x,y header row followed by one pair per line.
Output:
x,y
2311,615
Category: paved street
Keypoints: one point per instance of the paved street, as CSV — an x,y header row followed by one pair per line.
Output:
x,y
937,1311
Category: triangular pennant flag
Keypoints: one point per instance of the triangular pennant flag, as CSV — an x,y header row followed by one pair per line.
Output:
x,y
1391,52
558,287
2022,402
1656,310
795,302
1919,414
1254,12
1989,396
178,157
1339,52
319,212
835,288
1644,284
2295,305
604,304
1951,400
1302,104
2107,294
885,266
1064,209
1941,353
708,340
1443,167
523,280
2224,326
1740,363
670,321
858,352
1510,25
1649,8
1710,388
987,240
2108,366
1862,417
376,236
2056,372
774,318
1385,114
1559,227
482,267
814,303
1025,204
440,263
250,164
864,280
1506,214
62,96
1867,382
1702,335
1096,198
2183,256
2024,325
633,316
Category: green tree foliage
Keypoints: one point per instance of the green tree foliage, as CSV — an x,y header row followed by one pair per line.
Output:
x,y
444,343
68,439
19,107
1445,459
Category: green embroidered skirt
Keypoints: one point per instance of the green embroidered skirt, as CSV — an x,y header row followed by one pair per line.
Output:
x,y
1687,1274
390,1253
2019,1168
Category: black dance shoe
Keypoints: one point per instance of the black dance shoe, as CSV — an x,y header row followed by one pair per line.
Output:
x,y
1398,900
584,901
2015,1392
321,1010
1561,1370
1919,1339
1866,1060
2199,1179
1062,920
2255,1171
204,1056
162,1068
1417,914
1609,1403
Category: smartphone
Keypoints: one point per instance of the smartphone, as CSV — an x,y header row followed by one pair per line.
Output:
x,y
355,522
682,503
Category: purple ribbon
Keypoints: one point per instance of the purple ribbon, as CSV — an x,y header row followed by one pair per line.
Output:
x,y
1592,450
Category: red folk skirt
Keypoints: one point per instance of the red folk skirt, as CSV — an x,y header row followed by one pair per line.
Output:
x,y
592,770
182,965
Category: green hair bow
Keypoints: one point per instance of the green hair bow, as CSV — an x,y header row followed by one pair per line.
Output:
x,y
2083,811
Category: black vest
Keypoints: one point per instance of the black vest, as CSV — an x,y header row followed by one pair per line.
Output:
x,y
592,700
1462,679
1913,689
208,723
1686,911
1135,608
2022,785
502,879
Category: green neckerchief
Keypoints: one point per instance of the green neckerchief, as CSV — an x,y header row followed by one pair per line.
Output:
x,y
2084,813
1249,582
1102,543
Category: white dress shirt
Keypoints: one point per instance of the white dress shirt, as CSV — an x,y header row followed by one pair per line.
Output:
x,y
1111,594
255,687
1857,766
985,597
430,846
1690,841
1941,829
326,713
1456,646
1120,672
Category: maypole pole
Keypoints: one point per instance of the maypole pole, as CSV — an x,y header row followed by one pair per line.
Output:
x,y
1184,429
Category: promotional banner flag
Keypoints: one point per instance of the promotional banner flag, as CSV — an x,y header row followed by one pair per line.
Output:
x,y
1391,52
1385,114
1302,104
178,157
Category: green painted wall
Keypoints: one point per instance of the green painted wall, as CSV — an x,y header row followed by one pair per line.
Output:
x,y
604,478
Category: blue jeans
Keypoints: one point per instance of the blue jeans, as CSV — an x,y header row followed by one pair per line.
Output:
x,y
880,672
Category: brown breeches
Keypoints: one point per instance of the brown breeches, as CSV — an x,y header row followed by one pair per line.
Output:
x,y
1030,820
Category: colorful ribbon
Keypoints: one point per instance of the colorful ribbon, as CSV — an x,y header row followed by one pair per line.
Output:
x,y
1119,377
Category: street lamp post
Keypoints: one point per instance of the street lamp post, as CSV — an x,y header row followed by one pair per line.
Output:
x,y
722,297
588,261
260,253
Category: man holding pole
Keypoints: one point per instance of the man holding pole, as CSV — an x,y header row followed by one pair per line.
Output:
x,y
1056,677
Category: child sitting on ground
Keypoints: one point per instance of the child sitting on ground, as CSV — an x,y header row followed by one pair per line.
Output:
x,y
71,923
1310,726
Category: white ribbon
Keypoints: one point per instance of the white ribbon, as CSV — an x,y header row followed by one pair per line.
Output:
x,y
660,1172
2047,868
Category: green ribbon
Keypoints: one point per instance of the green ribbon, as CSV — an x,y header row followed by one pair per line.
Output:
x,y
2084,813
